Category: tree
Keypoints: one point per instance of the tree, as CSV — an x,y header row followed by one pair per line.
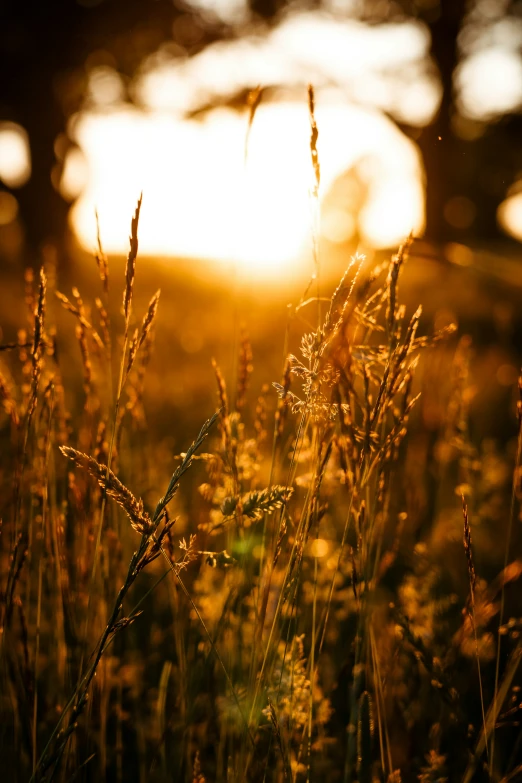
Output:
x,y
44,48
43,51
476,171
470,174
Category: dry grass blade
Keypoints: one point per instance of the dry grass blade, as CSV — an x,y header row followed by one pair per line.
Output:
x,y
130,268
314,135
149,317
224,422
17,559
279,739
149,548
133,350
101,259
365,731
183,467
139,337
469,551
393,284
222,389
244,369
493,712
513,775
472,584
40,312
514,497
14,346
341,298
283,401
38,345
104,322
79,314
253,100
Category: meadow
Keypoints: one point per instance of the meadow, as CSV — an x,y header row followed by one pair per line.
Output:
x,y
287,558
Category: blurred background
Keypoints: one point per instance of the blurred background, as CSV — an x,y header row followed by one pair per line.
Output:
x,y
418,105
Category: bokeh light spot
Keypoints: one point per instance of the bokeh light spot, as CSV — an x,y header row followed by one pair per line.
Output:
x,y
460,212
15,157
319,547
8,208
507,375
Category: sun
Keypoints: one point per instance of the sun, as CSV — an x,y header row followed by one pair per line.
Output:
x,y
204,200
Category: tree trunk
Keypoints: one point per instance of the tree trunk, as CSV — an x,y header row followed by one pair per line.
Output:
x,y
42,209
39,43
444,155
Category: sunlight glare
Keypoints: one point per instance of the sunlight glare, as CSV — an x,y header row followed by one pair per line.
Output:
x,y
384,222
199,202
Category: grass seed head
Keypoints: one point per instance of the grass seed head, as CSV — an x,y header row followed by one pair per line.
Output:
x,y
314,135
108,481
130,269
468,550
101,259
149,317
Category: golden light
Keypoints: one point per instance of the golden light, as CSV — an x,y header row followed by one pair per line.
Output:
x,y
489,82
8,208
15,157
510,216
319,547
75,174
201,201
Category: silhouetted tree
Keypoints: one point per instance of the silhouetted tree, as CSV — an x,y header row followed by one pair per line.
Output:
x,y
43,51
44,47
479,169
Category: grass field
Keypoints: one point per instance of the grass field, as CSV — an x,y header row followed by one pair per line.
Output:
x,y
289,556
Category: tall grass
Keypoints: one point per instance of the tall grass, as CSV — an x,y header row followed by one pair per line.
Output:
x,y
293,615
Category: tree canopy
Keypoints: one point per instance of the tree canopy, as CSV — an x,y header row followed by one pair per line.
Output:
x,y
46,51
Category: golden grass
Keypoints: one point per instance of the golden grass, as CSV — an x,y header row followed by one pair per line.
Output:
x,y
288,609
